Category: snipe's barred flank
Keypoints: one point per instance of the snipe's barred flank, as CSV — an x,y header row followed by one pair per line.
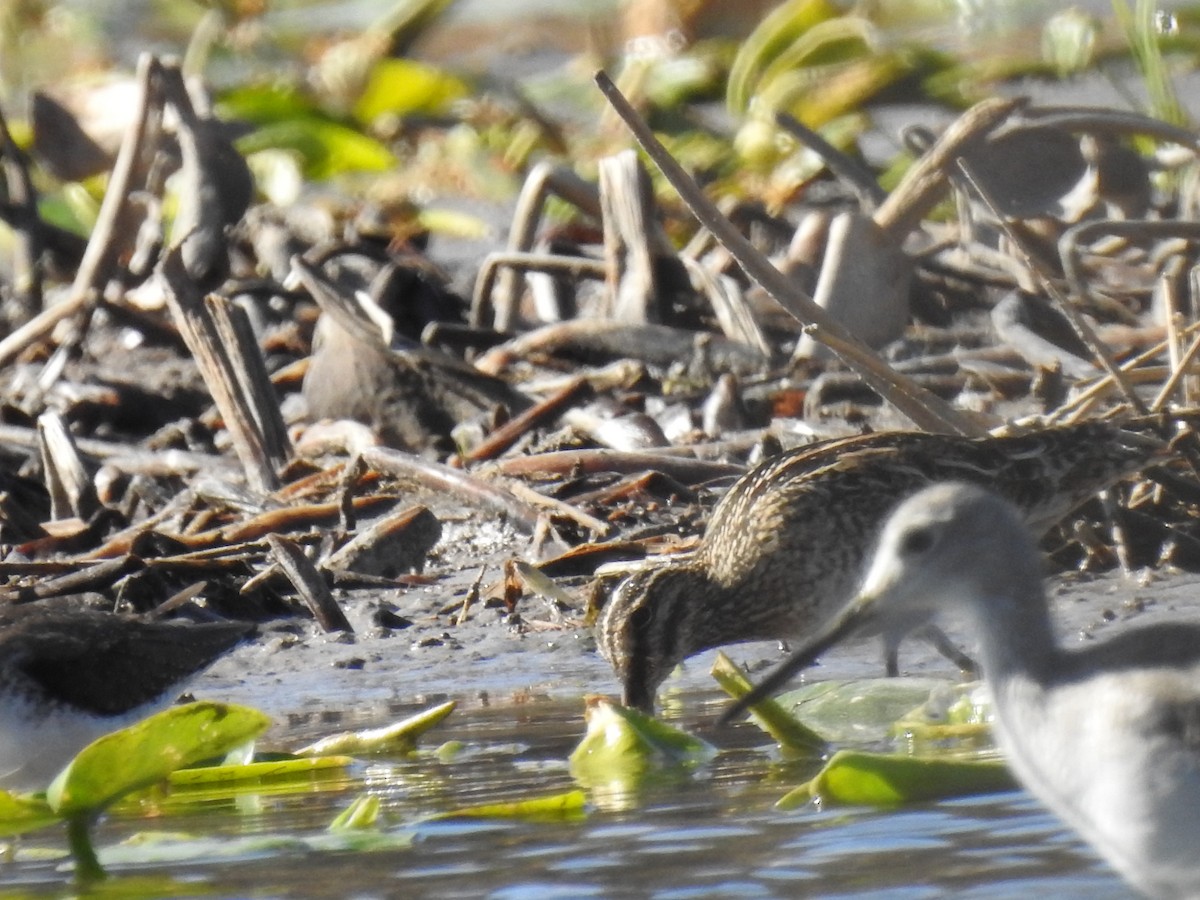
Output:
x,y
784,547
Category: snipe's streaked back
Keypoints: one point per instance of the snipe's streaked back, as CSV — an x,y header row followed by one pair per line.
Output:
x,y
784,547
66,678
1106,735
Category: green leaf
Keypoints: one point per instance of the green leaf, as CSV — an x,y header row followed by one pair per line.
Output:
x,y
886,779
146,753
769,715
623,747
20,813
362,814
395,739
274,770
865,710
326,147
261,104
404,87
569,805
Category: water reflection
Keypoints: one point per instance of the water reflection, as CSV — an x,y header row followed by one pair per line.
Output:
x,y
713,834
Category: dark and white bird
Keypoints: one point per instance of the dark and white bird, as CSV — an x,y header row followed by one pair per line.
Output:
x,y
66,678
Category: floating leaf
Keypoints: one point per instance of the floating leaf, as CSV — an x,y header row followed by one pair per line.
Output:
x,y
404,87
259,772
569,805
888,779
865,709
360,815
146,753
768,714
20,813
623,747
398,738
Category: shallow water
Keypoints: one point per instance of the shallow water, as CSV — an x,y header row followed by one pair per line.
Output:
x,y
712,833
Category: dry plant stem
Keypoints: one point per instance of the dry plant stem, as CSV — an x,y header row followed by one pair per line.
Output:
x,y
27,227
195,322
1069,250
1075,409
126,457
925,183
924,409
559,508
562,462
471,597
96,265
1177,374
504,263
250,369
574,391
90,577
438,477
544,180
628,216
1093,120
70,488
849,170
1080,326
309,583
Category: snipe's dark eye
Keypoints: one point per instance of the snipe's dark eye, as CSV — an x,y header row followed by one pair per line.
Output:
x,y
916,541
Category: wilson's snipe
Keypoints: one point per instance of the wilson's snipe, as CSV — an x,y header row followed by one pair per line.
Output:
x,y
66,678
1105,735
784,547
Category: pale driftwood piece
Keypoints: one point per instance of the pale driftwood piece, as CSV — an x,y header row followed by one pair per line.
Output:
x,y
395,545
199,331
923,408
544,180
290,519
865,275
560,463
250,368
734,315
99,258
71,491
627,208
309,584
88,577
437,477
559,508
551,407
125,457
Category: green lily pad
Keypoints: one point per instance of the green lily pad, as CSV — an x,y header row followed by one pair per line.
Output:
x,y
866,710
623,747
854,778
568,805
396,739
20,813
275,770
147,752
